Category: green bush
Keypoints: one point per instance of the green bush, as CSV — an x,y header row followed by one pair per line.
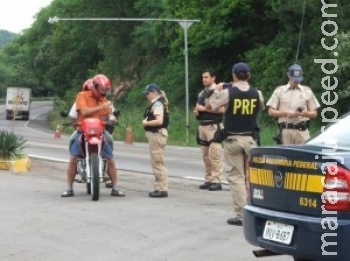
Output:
x,y
11,145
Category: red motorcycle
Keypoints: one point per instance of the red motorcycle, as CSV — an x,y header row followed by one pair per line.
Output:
x,y
92,166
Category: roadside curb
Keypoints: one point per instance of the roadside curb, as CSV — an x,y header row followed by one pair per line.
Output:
x,y
16,166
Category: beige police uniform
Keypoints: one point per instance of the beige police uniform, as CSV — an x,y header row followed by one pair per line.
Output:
x,y
287,98
212,154
157,142
236,151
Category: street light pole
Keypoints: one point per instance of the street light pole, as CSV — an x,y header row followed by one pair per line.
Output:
x,y
185,24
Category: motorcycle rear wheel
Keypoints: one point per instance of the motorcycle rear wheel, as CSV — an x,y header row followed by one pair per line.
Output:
x,y
95,176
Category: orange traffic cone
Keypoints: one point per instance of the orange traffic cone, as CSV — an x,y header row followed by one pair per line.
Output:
x,y
57,132
128,135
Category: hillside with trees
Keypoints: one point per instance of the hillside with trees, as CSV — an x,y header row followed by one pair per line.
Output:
x,y
269,35
6,37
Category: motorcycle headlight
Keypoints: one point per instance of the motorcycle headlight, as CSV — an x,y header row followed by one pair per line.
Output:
x,y
93,131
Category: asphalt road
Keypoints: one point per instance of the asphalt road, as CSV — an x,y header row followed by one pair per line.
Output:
x,y
37,224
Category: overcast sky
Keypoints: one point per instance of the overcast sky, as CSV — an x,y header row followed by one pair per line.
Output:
x,y
17,15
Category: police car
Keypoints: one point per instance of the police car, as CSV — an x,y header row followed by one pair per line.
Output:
x,y
299,197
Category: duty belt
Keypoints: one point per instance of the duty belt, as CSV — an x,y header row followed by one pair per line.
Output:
x,y
239,133
154,130
229,135
299,126
206,123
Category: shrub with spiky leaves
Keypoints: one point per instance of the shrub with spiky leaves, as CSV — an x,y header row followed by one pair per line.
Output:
x,y
11,145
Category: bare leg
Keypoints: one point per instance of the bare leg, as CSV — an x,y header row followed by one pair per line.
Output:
x,y
71,172
112,171
113,175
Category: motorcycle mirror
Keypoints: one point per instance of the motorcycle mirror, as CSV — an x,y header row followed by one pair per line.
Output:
x,y
64,113
116,113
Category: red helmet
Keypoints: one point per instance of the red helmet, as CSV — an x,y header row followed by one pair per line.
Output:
x,y
102,84
87,85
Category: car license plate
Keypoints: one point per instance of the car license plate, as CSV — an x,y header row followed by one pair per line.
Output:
x,y
278,232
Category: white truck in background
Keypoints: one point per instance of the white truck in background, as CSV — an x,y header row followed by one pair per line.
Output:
x,y
18,101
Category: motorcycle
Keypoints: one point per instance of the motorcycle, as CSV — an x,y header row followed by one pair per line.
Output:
x,y
92,167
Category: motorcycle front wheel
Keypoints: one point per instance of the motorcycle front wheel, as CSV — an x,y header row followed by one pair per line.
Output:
x,y
95,176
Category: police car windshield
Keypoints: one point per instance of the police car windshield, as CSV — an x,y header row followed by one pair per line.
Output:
x,y
334,135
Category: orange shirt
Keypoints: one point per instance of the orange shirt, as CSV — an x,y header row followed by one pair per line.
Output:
x,y
87,99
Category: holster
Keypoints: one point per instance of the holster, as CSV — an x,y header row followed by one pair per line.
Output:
x,y
256,135
220,134
278,138
201,142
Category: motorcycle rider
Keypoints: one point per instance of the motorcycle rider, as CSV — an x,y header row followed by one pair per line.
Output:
x,y
112,120
93,104
73,111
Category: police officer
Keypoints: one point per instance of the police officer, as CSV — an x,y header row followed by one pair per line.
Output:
x,y
155,122
242,103
293,105
209,123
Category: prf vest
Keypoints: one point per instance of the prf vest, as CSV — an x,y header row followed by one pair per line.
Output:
x,y
150,116
204,115
243,107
